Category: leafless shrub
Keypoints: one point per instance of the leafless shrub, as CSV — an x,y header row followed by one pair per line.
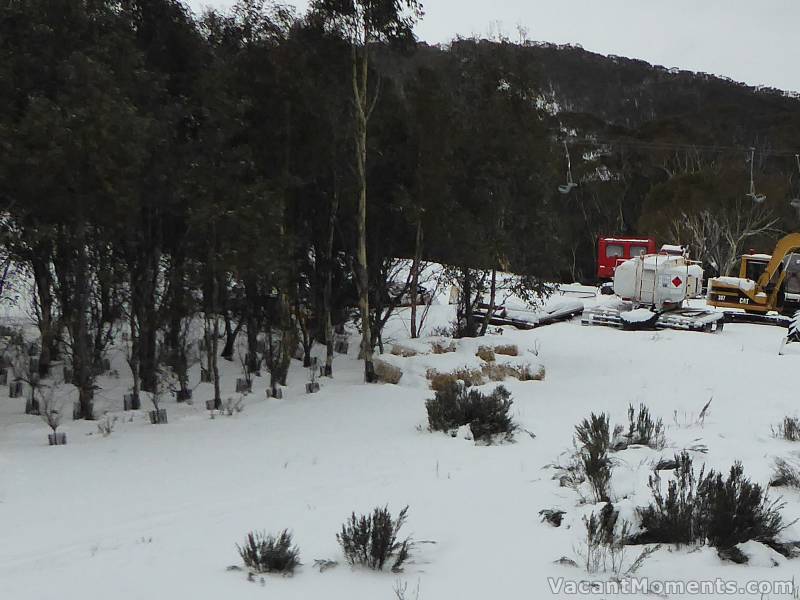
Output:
x,y
401,591
785,473
50,406
789,429
689,419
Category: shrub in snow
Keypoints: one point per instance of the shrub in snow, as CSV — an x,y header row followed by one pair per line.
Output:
x,y
674,517
643,430
603,548
487,415
554,516
789,429
372,540
723,511
785,473
269,554
737,510
593,440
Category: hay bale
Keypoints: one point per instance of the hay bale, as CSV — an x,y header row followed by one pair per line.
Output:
x,y
387,372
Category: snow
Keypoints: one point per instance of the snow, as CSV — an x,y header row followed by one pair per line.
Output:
x,y
637,315
746,285
672,249
156,511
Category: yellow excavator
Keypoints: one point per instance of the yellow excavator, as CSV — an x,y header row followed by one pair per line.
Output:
x,y
766,283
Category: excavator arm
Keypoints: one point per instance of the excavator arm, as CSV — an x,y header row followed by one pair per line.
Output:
x,y
787,245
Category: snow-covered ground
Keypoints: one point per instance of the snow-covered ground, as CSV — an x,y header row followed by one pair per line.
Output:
x,y
156,511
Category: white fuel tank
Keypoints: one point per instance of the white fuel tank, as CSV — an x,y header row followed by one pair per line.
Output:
x,y
658,280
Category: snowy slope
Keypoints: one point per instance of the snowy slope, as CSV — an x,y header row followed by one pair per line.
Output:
x,y
156,511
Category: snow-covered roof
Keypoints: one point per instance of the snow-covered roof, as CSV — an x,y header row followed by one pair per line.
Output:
x,y
759,256
627,240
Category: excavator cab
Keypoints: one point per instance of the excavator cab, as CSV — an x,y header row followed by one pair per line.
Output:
x,y
791,283
753,265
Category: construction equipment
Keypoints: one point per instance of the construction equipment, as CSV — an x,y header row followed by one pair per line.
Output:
x,y
653,290
766,283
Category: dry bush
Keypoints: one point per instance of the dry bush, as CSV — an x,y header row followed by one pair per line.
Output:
x,y
485,353
507,350
440,381
386,372
785,473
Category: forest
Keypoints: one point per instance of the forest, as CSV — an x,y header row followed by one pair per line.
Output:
x,y
262,172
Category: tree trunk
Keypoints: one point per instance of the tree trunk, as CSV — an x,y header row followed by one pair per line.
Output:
x,y
215,362
81,353
327,292
133,360
362,276
492,296
468,328
415,277
44,293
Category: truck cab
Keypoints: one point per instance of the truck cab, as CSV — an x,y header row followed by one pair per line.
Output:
x,y
612,251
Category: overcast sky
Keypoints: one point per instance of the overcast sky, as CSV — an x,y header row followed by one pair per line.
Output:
x,y
755,41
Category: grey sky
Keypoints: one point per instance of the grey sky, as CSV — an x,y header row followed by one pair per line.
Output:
x,y
755,41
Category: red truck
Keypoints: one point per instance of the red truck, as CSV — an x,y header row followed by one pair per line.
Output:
x,y
611,251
